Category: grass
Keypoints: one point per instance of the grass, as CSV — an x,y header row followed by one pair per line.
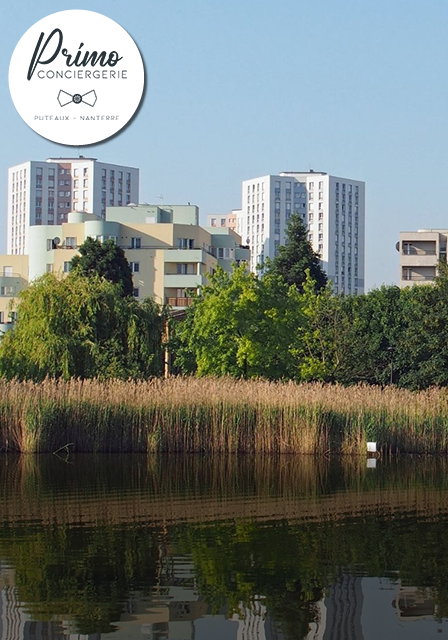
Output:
x,y
219,416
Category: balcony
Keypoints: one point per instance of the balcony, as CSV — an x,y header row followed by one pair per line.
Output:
x,y
415,251
415,277
182,280
11,285
179,302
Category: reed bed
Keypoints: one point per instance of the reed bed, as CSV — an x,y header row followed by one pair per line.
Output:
x,y
219,416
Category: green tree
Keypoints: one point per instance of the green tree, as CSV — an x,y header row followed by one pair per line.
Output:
x,y
293,259
241,326
82,327
105,259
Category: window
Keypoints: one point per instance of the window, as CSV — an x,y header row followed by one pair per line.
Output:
x,y
321,185
76,172
85,183
70,243
6,291
135,267
213,222
135,292
223,222
67,266
184,269
7,271
86,172
186,243
136,243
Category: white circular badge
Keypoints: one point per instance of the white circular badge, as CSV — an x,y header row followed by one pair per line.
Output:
x,y
76,77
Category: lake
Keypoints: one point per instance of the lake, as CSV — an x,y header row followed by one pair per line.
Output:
x,y
183,547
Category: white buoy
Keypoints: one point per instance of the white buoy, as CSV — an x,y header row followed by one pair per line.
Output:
x,y
371,447
371,463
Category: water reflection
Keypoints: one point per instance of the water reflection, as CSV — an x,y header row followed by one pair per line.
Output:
x,y
191,547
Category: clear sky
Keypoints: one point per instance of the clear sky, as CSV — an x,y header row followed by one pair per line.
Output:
x,y
241,88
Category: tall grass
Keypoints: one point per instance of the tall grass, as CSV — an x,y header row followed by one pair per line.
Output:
x,y
219,416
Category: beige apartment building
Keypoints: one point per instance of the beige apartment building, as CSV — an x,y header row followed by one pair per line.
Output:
x,y
13,278
169,253
420,253
224,220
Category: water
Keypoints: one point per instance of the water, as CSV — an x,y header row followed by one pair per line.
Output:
x,y
190,547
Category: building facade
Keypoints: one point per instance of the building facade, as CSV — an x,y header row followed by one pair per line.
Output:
x,y
169,253
44,192
227,220
13,279
332,209
420,252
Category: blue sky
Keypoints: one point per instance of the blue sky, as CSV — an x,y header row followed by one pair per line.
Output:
x,y
237,89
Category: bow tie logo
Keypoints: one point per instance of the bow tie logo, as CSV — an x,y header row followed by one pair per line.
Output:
x,y
88,98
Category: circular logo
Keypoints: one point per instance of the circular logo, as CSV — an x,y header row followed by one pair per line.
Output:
x,y
76,77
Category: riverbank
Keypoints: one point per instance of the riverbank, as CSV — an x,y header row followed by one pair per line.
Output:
x,y
219,416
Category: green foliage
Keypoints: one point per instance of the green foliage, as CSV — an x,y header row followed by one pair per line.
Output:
x,y
296,257
82,327
241,326
105,259
247,327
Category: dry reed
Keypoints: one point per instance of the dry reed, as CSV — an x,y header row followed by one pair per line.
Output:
x,y
219,416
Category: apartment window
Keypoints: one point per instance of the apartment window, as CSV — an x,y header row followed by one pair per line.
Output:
x,y
186,243
86,171
321,185
6,291
85,183
51,174
135,292
135,267
67,266
70,243
136,243
186,269
76,172
7,271
311,185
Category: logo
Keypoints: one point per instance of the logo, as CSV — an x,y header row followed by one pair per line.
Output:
x,y
76,77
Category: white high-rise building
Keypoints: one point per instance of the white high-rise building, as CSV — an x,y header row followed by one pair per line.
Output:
x,y
333,210
44,192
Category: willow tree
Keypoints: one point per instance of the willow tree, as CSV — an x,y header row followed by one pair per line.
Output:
x,y
82,327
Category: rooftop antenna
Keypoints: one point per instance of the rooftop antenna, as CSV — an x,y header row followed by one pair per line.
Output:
x,y
160,198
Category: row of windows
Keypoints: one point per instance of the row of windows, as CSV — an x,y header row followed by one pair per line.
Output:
x,y
253,187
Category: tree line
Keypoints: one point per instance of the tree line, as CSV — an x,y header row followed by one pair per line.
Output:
x,y
284,323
